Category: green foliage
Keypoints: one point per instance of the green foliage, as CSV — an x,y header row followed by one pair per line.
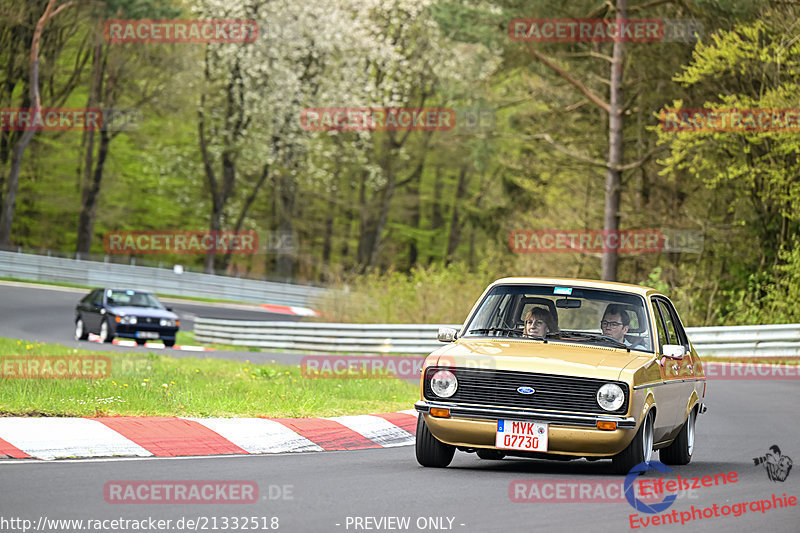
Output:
x,y
445,215
753,174
771,296
655,281
142,9
426,295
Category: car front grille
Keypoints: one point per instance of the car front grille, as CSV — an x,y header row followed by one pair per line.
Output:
x,y
147,320
499,388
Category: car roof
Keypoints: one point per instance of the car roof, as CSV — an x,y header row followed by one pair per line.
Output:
x,y
584,283
137,291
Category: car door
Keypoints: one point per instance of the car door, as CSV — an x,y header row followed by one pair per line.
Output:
x,y
675,371
92,315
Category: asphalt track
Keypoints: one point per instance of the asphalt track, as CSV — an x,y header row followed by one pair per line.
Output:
x,y
361,490
41,313
320,490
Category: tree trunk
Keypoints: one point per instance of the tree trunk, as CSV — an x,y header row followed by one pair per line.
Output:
x,y
284,265
416,218
386,199
437,218
455,222
365,228
91,186
613,174
349,209
10,200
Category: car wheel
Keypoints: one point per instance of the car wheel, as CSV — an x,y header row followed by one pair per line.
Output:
x,y
681,450
105,334
490,455
430,451
80,330
169,344
640,450
141,342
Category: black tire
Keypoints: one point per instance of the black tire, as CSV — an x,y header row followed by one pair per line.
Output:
x,y
430,451
108,334
80,330
681,450
490,455
637,451
141,342
169,344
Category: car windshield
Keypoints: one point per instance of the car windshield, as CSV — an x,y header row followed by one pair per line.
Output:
x,y
563,314
132,299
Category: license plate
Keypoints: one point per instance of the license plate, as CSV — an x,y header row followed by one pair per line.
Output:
x,y
521,435
146,335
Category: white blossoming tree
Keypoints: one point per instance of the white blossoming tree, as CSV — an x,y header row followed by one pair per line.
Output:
x,y
316,53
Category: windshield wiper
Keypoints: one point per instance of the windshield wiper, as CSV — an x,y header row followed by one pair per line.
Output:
x,y
563,335
490,330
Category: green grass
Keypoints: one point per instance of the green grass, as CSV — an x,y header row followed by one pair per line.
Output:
x,y
158,385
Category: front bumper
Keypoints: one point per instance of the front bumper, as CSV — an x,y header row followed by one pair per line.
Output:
x,y
129,331
568,434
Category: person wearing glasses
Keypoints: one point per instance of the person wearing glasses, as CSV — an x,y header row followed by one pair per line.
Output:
x,y
616,323
539,322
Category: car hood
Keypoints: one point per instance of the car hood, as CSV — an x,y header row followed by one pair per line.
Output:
x,y
128,310
535,356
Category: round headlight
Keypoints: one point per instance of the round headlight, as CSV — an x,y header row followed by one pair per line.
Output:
x,y
610,397
168,322
444,383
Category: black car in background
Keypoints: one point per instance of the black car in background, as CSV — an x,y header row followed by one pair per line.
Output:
x,y
126,313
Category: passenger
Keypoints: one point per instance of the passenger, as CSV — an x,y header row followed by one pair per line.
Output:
x,y
539,322
616,323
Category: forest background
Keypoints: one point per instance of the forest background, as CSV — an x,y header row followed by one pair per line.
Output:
x,y
414,225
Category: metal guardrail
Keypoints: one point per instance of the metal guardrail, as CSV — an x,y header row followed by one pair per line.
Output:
x,y
772,340
97,274
735,341
320,336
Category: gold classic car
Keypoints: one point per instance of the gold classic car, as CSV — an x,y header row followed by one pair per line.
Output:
x,y
563,369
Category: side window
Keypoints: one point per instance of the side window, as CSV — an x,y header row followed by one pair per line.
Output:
x,y
97,298
680,333
669,323
662,336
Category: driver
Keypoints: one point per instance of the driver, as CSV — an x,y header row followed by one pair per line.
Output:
x,y
539,322
616,323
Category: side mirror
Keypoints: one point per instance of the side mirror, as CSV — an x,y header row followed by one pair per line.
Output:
x,y
447,334
168,308
673,351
